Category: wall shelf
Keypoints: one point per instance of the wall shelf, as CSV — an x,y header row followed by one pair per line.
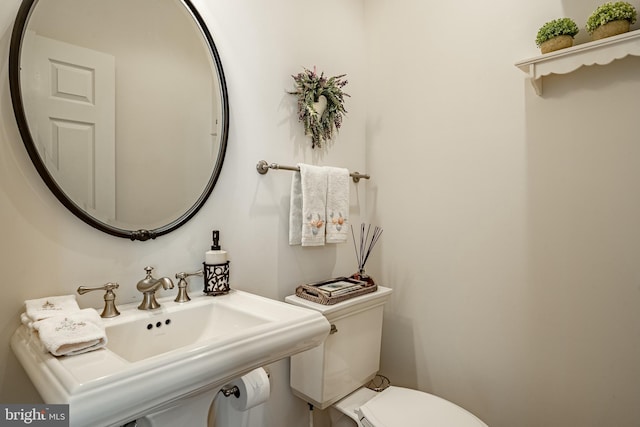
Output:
x,y
565,61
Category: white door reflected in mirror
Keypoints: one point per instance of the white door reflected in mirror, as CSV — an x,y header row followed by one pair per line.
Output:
x,y
72,93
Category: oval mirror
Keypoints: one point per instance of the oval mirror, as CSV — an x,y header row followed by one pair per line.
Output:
x,y
122,106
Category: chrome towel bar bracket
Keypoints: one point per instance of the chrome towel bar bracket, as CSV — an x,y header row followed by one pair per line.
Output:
x,y
263,167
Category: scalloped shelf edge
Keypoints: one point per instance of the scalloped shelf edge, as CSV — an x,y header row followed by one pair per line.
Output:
x,y
567,60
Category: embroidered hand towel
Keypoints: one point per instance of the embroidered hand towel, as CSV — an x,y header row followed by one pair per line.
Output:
x,y
74,333
337,204
314,204
295,210
41,308
26,320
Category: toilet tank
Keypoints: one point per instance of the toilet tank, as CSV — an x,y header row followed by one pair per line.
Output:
x,y
349,357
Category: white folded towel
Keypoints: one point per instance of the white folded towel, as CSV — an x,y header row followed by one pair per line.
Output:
x,y
42,308
72,333
295,210
337,204
314,204
26,320
307,214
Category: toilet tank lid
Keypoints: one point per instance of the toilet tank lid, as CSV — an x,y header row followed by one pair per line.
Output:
x,y
398,406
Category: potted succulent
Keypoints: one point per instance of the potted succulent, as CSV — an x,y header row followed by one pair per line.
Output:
x,y
556,34
320,104
610,19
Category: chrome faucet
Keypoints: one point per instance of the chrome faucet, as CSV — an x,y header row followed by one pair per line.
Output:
x,y
109,309
148,286
183,296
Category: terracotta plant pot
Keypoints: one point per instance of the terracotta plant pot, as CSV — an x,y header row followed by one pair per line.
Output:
x,y
609,29
556,43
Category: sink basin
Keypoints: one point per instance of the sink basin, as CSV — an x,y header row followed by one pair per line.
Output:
x,y
176,327
160,356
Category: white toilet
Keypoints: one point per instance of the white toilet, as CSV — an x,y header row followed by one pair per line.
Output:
x,y
333,374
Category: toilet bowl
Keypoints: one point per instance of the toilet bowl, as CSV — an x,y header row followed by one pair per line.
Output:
x,y
333,374
399,407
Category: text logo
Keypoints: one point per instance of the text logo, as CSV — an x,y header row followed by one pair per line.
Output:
x,y
34,415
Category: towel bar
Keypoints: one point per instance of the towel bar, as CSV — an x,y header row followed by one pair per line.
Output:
x,y
263,167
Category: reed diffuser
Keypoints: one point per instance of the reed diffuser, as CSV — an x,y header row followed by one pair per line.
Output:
x,y
368,241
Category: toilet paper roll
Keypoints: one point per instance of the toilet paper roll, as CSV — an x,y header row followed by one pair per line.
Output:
x,y
254,390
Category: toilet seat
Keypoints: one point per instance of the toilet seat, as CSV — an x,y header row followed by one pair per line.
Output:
x,y
398,406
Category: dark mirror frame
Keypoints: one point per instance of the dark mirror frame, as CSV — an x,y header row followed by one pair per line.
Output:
x,y
16,97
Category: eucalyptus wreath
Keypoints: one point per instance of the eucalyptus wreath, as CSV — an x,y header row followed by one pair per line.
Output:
x,y
309,87
612,11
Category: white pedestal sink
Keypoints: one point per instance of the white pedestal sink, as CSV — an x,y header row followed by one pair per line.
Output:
x,y
154,359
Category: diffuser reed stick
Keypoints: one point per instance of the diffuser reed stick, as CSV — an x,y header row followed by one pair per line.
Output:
x,y
368,241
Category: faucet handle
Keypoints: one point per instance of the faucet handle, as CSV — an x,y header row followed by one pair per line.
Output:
x,y
149,270
182,285
109,309
106,287
184,275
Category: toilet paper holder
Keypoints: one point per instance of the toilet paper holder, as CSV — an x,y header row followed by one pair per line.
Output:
x,y
228,391
234,390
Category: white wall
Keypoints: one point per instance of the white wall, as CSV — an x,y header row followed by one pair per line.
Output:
x,y
47,251
511,221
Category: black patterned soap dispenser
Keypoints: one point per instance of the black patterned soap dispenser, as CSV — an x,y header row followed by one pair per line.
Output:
x,y
216,268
